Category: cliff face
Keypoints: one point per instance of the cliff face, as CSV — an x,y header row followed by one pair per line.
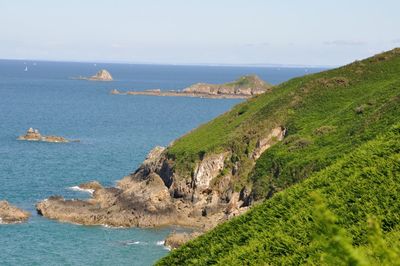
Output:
x,y
247,86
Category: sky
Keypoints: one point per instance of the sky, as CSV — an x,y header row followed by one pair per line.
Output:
x,y
238,32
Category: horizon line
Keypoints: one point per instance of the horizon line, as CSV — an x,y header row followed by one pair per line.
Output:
x,y
174,64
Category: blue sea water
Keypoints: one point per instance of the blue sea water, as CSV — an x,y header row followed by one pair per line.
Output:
x,y
116,133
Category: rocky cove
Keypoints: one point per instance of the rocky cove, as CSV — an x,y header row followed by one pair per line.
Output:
x,y
156,195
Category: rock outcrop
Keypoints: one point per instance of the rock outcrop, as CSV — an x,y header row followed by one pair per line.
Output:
x,y
246,86
277,134
156,194
34,135
10,214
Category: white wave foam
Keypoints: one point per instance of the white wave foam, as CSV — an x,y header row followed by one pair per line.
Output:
x,y
76,188
132,243
111,226
160,243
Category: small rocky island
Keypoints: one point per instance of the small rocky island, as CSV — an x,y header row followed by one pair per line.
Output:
x,y
10,214
102,75
244,87
34,135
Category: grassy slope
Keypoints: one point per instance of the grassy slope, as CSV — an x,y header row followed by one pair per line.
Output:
x,y
327,115
347,214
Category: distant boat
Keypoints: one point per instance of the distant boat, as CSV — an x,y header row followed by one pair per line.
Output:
x,y
26,68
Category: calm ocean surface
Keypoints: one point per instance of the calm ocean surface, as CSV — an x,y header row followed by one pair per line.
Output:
x,y
116,133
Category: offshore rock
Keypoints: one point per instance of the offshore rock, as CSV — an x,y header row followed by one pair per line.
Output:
x,y
102,75
10,214
34,135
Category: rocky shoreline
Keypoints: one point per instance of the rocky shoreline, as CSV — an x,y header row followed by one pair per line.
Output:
x,y
10,214
155,195
149,198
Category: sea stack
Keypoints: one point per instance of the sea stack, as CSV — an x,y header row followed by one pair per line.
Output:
x,y
102,75
10,214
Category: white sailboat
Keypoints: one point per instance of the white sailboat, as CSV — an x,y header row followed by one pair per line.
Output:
x,y
26,68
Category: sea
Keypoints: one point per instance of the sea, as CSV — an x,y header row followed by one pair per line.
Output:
x,y
115,131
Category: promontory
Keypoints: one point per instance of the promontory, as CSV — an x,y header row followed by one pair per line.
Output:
x,y
244,87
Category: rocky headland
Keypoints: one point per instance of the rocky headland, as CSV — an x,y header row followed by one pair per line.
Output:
x,y
34,135
10,214
244,87
102,75
157,195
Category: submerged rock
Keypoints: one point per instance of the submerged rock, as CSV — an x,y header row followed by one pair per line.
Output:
x,y
115,92
10,214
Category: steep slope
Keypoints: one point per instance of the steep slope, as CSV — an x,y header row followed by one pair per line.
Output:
x,y
347,214
260,147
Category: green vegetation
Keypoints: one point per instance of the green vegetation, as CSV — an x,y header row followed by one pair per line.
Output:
x,y
326,114
347,214
248,81
342,148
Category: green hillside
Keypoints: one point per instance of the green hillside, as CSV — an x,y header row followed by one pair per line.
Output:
x,y
326,115
347,214
341,136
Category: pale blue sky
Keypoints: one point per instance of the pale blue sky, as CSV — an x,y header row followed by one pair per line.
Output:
x,y
307,32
